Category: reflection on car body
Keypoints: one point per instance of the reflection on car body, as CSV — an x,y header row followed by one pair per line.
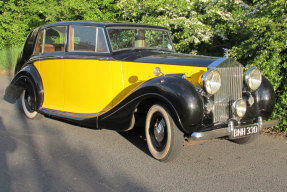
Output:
x,y
106,75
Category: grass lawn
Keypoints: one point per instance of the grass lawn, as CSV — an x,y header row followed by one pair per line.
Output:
x,y
8,57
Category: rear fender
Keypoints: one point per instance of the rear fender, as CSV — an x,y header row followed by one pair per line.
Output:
x,y
28,79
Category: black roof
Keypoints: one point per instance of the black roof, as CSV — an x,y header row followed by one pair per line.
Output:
x,y
104,24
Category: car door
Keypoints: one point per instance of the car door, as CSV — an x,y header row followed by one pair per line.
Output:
x,y
87,82
50,47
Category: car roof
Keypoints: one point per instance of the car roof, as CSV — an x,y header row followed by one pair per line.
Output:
x,y
102,24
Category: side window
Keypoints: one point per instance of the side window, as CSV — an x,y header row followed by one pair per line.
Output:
x,y
83,38
39,44
87,38
55,39
123,38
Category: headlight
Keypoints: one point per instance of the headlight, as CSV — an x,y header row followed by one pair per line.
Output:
x,y
253,78
211,81
239,107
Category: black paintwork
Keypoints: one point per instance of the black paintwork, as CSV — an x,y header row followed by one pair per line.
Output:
x,y
28,49
102,24
182,98
264,102
164,57
177,93
145,56
29,79
265,98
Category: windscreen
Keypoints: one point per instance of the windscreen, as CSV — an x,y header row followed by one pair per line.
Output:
x,y
139,38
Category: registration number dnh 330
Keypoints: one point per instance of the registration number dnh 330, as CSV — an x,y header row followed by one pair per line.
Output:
x,y
244,131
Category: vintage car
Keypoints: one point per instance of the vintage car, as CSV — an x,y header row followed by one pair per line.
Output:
x,y
109,75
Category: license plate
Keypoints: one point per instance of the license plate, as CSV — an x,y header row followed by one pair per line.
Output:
x,y
244,131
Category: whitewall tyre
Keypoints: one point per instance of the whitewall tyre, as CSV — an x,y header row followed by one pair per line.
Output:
x,y
164,139
25,104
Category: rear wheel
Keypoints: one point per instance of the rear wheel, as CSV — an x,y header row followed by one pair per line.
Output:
x,y
164,139
26,105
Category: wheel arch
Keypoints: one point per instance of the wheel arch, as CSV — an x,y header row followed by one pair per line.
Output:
x,y
178,94
265,98
145,104
29,79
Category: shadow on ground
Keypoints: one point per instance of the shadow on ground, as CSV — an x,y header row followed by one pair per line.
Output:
x,y
136,136
7,145
37,156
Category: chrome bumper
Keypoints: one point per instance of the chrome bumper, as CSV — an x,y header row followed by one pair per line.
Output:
x,y
222,132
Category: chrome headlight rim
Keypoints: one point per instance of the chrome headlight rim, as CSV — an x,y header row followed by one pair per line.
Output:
x,y
208,83
251,80
239,108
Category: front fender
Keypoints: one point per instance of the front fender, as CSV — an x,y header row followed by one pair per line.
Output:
x,y
29,79
182,98
265,99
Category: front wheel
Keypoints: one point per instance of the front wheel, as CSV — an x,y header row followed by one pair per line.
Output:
x,y
26,103
163,137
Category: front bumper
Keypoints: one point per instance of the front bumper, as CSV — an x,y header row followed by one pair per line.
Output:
x,y
227,131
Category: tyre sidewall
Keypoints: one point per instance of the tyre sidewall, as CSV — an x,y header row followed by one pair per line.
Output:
x,y
26,111
165,153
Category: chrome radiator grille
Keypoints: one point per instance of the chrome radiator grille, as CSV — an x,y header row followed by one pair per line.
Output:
x,y
230,91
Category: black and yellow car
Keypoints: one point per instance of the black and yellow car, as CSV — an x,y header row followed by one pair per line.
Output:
x,y
108,75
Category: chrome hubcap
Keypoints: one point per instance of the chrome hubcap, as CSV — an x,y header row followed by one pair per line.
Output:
x,y
28,102
159,130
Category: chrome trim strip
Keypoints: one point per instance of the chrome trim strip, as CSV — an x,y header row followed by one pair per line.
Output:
x,y
209,134
50,57
68,114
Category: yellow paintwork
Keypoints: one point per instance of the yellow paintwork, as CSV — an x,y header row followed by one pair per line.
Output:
x,y
93,86
51,72
87,86
133,74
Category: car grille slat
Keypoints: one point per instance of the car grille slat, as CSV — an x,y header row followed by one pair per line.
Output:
x,y
230,91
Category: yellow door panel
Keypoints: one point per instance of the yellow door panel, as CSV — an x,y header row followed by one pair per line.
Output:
x,y
51,72
117,82
87,85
